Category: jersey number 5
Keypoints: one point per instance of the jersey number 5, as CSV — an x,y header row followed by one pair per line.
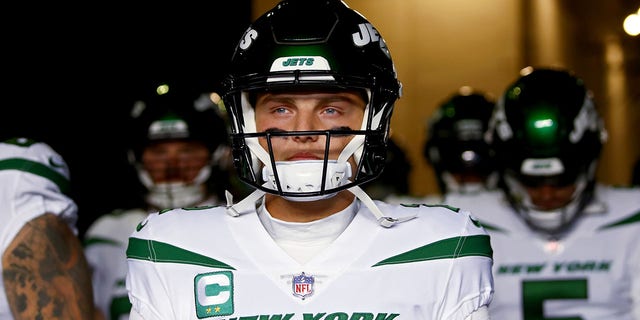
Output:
x,y
534,293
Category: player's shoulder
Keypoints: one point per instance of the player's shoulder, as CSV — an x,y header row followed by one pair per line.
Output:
x,y
171,221
483,199
428,209
446,219
115,220
615,193
25,147
28,156
621,206
436,229
404,199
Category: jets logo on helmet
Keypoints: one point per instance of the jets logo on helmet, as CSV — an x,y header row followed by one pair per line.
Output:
x,y
335,49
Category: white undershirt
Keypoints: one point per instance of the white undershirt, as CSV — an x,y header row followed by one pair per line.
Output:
x,y
303,240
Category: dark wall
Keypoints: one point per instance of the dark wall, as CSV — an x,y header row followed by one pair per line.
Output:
x,y
70,79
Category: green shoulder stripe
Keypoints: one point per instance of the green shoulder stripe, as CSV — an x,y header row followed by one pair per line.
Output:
x,y
37,168
491,227
630,219
21,141
98,240
452,248
156,251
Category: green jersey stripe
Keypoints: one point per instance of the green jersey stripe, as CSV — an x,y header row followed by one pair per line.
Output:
x,y
156,251
39,169
451,248
631,219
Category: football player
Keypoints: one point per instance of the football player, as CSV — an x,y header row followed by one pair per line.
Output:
x,y
565,246
310,91
178,146
455,146
44,273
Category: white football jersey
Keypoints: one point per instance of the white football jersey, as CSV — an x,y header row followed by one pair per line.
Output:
x,y
33,181
592,273
203,263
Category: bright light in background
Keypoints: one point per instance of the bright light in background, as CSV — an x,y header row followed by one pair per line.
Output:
x,y
631,24
546,123
217,100
162,89
215,97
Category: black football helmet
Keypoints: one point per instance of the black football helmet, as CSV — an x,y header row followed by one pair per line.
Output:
x,y
171,112
546,131
455,142
311,44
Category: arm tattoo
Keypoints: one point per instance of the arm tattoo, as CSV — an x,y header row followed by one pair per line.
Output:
x,y
46,275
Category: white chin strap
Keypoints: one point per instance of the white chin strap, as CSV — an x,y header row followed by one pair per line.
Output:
x,y
248,204
175,194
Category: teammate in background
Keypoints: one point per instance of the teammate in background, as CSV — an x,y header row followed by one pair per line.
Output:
x,y
455,146
179,149
565,246
310,93
44,271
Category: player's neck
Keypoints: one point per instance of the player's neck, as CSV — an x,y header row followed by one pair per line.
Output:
x,y
308,211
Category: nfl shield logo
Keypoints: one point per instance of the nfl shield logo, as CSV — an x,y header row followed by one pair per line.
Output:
x,y
302,285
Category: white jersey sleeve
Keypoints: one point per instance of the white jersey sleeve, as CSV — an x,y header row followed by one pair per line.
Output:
x,y
34,180
203,263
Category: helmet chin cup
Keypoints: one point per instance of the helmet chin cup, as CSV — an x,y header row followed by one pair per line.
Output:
x,y
175,195
552,222
302,180
453,186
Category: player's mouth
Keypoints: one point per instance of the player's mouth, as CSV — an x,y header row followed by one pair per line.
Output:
x,y
303,156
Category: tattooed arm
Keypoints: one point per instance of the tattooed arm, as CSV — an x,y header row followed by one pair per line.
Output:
x,y
46,275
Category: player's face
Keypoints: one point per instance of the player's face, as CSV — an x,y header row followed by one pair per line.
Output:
x,y
175,160
548,197
308,111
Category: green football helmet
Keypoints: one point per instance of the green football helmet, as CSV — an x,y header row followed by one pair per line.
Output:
x,y
546,131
